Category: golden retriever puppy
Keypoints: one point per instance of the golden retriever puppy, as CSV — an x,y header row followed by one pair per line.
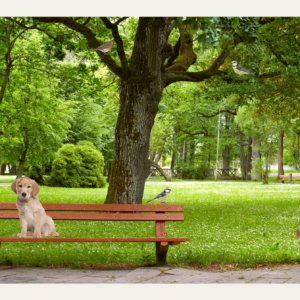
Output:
x,y
34,221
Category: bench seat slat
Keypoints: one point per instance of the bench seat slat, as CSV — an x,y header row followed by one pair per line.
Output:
x,y
102,207
50,239
101,216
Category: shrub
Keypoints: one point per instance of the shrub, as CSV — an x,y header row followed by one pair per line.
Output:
x,y
193,172
79,165
37,172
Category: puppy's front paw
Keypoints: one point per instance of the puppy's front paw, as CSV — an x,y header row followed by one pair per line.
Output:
x,y
21,235
37,235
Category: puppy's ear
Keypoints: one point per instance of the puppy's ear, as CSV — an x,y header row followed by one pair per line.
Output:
x,y
35,188
14,186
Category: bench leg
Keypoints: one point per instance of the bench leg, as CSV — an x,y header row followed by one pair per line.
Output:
x,y
161,254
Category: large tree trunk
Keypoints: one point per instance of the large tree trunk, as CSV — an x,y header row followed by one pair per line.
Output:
x,y
140,93
280,155
256,175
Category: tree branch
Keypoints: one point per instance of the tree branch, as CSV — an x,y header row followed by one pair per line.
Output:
x,y
221,111
279,57
264,21
119,42
90,37
120,20
37,28
87,21
176,49
220,60
171,77
187,55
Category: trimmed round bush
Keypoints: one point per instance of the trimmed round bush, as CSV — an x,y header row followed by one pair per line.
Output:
x,y
79,165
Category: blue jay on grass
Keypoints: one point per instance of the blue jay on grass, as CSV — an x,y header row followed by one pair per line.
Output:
x,y
239,70
162,196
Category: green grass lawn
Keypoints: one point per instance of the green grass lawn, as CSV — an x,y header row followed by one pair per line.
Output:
x,y
243,223
7,178
285,172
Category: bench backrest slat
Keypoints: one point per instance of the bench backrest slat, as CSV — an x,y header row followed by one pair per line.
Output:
x,y
287,176
102,207
102,216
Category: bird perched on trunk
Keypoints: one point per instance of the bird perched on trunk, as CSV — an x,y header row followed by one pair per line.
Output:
x,y
162,196
297,232
239,70
105,47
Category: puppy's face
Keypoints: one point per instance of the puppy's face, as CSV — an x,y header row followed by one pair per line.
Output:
x,y
25,188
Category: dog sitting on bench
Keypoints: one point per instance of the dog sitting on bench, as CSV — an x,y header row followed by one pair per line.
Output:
x,y
34,221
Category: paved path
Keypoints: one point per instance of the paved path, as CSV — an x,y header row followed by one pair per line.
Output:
x,y
9,274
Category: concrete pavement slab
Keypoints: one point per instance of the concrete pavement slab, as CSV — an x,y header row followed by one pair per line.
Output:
x,y
107,273
145,275
268,281
138,275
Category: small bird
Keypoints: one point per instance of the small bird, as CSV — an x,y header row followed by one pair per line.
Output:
x,y
105,47
297,232
162,196
239,70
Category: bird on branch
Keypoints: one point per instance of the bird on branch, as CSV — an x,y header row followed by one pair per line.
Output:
x,y
162,196
239,70
105,47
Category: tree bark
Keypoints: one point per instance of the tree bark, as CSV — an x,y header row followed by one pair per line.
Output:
x,y
3,168
225,156
192,154
140,93
298,153
266,176
173,153
243,157
20,168
22,159
161,171
249,159
280,155
157,158
256,175
12,169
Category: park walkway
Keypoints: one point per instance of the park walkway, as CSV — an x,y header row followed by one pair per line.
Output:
x,y
281,275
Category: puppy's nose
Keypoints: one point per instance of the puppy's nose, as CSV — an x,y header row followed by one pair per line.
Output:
x,y
24,194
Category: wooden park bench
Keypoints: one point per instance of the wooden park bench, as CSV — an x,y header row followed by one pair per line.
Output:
x,y
291,177
107,212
